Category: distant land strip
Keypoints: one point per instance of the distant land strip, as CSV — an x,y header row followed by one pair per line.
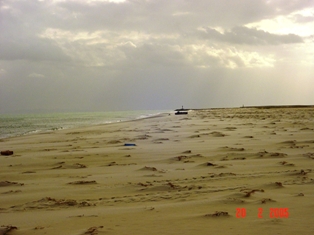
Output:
x,y
279,106
256,107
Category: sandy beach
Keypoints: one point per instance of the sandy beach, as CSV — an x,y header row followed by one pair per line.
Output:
x,y
216,171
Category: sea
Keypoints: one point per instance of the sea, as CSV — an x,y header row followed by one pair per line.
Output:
x,y
12,125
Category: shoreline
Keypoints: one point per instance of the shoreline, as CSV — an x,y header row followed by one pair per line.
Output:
x,y
225,170
72,125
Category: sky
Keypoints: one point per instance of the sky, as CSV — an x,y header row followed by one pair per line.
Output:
x,y
115,55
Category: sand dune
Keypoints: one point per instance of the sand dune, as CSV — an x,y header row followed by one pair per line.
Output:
x,y
217,171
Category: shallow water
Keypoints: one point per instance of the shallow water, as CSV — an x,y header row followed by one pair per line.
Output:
x,y
23,124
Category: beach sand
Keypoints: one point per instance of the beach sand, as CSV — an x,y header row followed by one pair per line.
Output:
x,y
216,171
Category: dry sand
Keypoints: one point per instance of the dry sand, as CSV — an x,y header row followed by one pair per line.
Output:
x,y
189,174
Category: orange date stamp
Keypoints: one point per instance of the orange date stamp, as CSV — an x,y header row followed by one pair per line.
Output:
x,y
272,213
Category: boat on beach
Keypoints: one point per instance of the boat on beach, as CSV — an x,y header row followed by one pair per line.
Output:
x,y
181,111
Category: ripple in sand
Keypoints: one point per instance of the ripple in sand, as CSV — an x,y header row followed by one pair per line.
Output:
x,y
51,203
306,129
293,144
80,182
5,229
233,149
153,175
195,136
148,168
209,164
10,183
265,154
12,192
218,214
230,128
302,172
284,163
114,142
248,193
63,165
161,139
239,158
120,164
186,159
217,134
233,200
93,230
309,155
265,200
278,184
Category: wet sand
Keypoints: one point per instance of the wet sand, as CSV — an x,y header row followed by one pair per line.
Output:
x,y
217,171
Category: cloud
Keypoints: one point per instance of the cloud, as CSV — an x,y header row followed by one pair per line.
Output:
x,y
20,23
106,54
134,49
33,49
304,17
211,56
36,75
299,22
251,36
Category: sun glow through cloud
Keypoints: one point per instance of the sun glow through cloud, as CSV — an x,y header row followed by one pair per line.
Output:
x,y
289,24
